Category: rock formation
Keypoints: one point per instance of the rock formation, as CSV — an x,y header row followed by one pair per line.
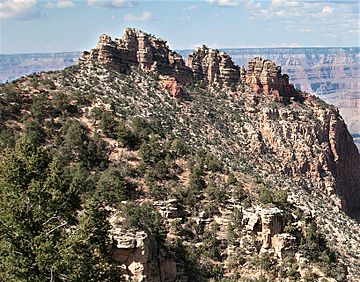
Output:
x,y
137,48
335,170
140,256
214,66
171,85
264,76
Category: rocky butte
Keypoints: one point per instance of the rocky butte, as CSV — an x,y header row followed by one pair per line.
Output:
x,y
202,170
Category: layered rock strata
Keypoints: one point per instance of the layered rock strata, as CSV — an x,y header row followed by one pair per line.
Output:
x,y
137,48
214,66
264,76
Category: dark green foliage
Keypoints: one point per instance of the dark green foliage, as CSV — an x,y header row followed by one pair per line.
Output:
x,y
278,198
212,163
10,102
96,113
126,136
7,139
179,148
196,180
145,217
231,179
49,83
97,153
112,188
161,170
216,192
264,261
39,107
144,129
35,131
210,248
62,106
190,258
108,124
78,147
40,235
151,152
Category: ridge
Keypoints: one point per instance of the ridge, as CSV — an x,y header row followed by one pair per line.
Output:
x,y
138,48
155,168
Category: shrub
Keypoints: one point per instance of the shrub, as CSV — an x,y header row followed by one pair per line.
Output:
x,y
127,137
147,217
112,188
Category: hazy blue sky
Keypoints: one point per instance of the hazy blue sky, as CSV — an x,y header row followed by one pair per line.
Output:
x,y
52,26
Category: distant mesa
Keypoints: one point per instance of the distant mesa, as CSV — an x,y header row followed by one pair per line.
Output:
x,y
138,48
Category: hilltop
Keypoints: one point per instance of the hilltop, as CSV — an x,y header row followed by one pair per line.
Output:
x,y
329,73
162,169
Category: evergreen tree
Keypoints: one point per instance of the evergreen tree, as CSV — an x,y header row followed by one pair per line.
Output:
x,y
45,234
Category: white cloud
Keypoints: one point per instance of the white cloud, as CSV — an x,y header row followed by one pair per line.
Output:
x,y
112,3
19,9
144,17
223,3
284,3
325,12
191,8
62,4
281,13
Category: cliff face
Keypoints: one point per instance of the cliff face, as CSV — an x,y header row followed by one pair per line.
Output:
x,y
316,144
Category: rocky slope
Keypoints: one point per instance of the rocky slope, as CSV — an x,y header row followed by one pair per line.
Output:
x,y
330,73
238,176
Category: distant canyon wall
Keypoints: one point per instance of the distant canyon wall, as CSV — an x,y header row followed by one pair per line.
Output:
x,y
13,66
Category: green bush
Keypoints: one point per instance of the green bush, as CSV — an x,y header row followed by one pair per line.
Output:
x,y
144,217
108,124
112,188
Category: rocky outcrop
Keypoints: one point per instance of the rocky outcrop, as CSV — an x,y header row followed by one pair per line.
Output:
x,y
140,257
214,66
268,221
283,244
265,77
272,222
171,85
137,48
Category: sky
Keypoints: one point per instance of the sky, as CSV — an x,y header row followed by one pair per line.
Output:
x,y
31,26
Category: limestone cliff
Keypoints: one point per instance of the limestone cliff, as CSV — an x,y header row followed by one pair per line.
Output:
x,y
316,144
